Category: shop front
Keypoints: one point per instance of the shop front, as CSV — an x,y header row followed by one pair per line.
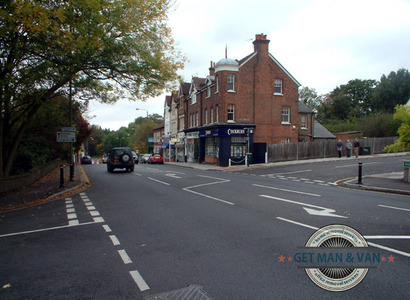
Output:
x,y
221,143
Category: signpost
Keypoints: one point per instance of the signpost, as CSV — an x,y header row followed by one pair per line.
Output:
x,y
66,137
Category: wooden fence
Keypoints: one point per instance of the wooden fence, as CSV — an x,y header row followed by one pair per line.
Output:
x,y
325,149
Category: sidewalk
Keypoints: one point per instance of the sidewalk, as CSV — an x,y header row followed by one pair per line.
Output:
x,y
387,182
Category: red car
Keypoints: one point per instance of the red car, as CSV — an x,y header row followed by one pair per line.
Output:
x,y
156,159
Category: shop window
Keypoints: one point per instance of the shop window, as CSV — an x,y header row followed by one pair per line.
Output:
x,y
211,147
238,146
286,115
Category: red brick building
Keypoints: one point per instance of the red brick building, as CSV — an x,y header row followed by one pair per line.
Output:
x,y
240,107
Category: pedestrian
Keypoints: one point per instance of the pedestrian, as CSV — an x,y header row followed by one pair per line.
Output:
x,y
356,146
348,148
339,147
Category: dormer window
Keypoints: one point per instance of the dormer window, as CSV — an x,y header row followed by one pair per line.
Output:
x,y
193,98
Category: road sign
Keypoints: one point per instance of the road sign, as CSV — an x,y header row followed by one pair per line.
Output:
x,y
70,129
66,137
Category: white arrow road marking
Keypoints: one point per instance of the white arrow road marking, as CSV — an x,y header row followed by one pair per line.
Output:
x,y
172,175
327,212
323,211
285,190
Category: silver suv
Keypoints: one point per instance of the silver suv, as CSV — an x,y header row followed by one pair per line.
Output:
x,y
120,158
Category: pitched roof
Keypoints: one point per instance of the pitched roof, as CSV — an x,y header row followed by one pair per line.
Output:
x,y
304,109
320,132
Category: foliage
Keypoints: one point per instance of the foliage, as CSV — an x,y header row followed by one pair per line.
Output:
x,y
392,90
351,100
403,142
108,49
310,98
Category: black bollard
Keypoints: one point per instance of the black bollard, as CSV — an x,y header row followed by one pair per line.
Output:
x,y
72,171
61,176
359,176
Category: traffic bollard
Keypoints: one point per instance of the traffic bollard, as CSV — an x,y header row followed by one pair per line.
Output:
x,y
72,171
359,176
61,176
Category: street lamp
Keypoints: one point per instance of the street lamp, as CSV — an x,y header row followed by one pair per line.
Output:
x,y
147,123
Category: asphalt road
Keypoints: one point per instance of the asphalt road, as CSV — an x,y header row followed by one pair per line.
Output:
x,y
235,234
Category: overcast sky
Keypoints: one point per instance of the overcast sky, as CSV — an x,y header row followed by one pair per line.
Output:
x,y
322,43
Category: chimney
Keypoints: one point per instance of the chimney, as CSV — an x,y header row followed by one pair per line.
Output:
x,y
261,44
212,69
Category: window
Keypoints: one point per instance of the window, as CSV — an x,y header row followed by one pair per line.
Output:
x,y
286,114
231,113
278,86
303,122
206,116
212,115
217,113
285,140
208,91
217,84
196,119
231,82
193,98
181,123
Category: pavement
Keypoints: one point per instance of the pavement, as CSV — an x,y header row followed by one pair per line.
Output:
x,y
385,182
48,188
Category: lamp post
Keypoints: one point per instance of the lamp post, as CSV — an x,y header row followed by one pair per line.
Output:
x,y
147,123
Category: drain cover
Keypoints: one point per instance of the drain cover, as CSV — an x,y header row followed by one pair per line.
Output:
x,y
192,292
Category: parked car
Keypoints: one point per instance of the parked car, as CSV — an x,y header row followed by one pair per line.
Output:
x,y
86,160
136,158
120,158
104,158
156,159
145,158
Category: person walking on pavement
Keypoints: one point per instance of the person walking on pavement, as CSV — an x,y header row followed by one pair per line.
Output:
x,y
339,146
348,148
356,146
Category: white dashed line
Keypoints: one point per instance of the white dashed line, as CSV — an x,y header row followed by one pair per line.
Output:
x,y
142,285
124,256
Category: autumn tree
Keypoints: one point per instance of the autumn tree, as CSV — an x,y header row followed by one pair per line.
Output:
x,y
108,49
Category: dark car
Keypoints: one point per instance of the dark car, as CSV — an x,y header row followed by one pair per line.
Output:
x,y
156,159
86,160
120,158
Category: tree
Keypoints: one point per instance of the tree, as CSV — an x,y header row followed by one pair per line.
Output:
x,y
403,142
391,91
107,49
352,100
310,97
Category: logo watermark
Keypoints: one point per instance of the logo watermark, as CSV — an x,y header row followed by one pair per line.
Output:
x,y
336,258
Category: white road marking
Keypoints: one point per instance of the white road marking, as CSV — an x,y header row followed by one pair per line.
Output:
x,y
172,175
188,189
324,211
389,249
98,220
142,285
114,240
156,180
44,229
91,207
369,243
72,216
392,207
94,213
293,172
285,190
107,228
124,256
70,210
73,222
387,237
138,174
